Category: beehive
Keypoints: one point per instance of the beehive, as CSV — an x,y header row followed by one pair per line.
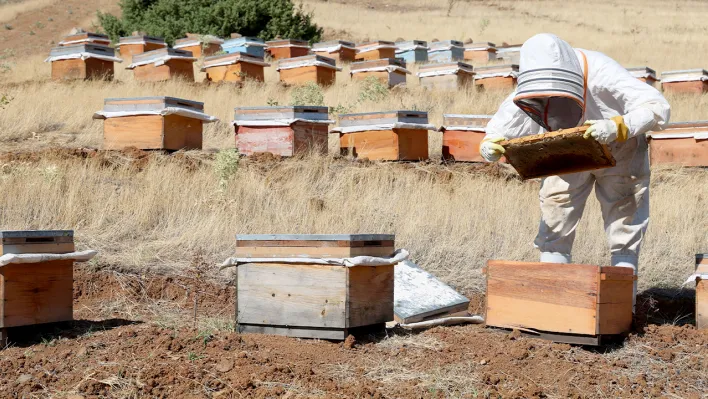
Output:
x,y
702,291
462,135
84,38
163,64
133,45
313,301
152,123
385,136
692,81
83,62
446,51
390,71
556,153
480,52
412,51
199,45
683,143
310,68
234,67
375,50
250,45
446,76
497,77
36,293
510,53
288,48
283,131
337,50
565,302
645,74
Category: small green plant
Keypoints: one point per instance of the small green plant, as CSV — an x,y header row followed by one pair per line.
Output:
x,y
226,165
50,19
193,356
197,272
483,25
49,341
373,89
39,25
308,94
4,99
340,109
8,27
272,102
31,33
205,337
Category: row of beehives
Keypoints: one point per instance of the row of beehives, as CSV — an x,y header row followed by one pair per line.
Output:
x,y
166,123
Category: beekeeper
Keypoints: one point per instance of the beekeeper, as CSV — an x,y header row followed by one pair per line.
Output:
x,y
562,87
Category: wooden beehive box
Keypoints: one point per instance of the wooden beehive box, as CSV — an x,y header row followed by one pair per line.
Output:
x,y
462,136
390,71
412,51
310,68
446,51
234,67
288,48
385,136
692,81
85,37
509,54
163,64
199,45
313,301
645,74
281,130
375,50
132,45
446,76
338,50
564,302
250,45
480,52
556,153
702,292
36,293
494,77
83,62
152,123
683,143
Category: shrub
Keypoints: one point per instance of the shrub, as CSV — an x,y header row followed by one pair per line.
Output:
x,y
308,94
373,90
226,165
172,19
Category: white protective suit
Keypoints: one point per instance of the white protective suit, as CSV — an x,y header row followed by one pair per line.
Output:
x,y
597,87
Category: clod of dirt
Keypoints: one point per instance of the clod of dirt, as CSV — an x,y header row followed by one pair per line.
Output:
x,y
224,366
514,335
350,342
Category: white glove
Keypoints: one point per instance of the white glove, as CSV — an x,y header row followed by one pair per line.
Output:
x,y
490,149
608,130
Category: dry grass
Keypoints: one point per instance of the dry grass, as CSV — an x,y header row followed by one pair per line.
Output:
x,y
10,11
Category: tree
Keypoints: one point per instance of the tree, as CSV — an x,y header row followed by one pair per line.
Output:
x,y
172,19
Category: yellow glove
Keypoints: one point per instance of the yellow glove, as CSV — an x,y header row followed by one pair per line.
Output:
x,y
490,150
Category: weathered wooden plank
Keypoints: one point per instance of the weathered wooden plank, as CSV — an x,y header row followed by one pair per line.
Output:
x,y
679,151
510,312
615,318
462,145
317,252
182,133
312,243
38,248
142,131
370,293
294,331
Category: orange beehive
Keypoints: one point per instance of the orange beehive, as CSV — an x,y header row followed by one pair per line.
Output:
x,y
163,64
375,50
446,76
310,68
337,50
481,53
693,81
138,44
288,48
645,74
385,136
462,135
390,71
85,37
199,45
234,67
82,61
497,77
683,143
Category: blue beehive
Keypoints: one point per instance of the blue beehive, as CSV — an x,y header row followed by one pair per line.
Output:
x,y
412,51
446,51
249,45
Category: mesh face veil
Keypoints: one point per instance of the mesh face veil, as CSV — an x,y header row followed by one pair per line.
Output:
x,y
552,113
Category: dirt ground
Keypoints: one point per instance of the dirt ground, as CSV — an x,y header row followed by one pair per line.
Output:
x,y
136,336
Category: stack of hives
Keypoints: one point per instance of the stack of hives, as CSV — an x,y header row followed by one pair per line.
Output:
x,y
310,68
337,50
446,75
390,71
83,61
234,67
462,136
199,45
163,64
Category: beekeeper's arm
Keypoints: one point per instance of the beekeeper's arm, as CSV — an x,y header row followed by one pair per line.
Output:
x,y
509,122
643,107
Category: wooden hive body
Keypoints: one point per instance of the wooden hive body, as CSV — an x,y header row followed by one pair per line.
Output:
x,y
579,302
289,48
163,64
283,131
693,81
510,54
310,68
152,132
683,143
394,76
462,136
338,50
446,76
498,77
36,293
375,50
412,51
481,53
234,67
556,153
132,45
93,68
250,45
702,292
85,37
199,46
446,51
313,301
645,74
394,144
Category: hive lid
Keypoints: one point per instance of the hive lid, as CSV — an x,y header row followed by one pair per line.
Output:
x,y
445,45
440,66
684,75
411,44
679,130
85,37
332,43
507,70
197,39
466,120
141,40
88,48
315,237
381,118
233,58
281,112
159,54
244,41
642,72
150,104
36,233
384,62
509,48
480,46
370,46
288,43
307,60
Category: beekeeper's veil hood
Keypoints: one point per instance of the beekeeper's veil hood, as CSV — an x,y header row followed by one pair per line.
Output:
x,y
552,84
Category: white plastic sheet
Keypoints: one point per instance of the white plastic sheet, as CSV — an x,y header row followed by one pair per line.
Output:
x,y
331,49
307,64
165,111
687,77
234,61
82,256
384,126
451,71
159,61
280,122
373,48
511,74
411,48
83,56
398,256
697,136
692,278
388,68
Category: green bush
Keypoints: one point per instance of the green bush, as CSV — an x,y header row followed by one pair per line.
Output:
x,y
308,94
172,19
